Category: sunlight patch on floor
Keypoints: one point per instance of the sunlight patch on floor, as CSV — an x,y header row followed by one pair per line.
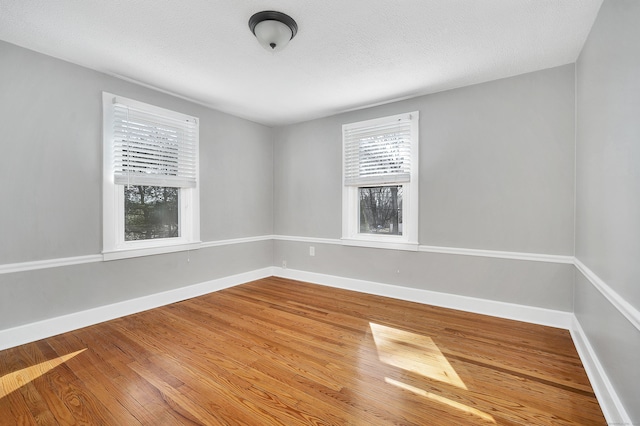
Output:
x,y
441,400
414,352
13,381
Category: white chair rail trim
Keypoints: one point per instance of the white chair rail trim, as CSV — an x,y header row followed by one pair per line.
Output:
x,y
48,263
630,312
625,308
79,260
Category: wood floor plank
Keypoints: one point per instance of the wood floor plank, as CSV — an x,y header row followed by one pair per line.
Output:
x,y
555,367
16,389
283,352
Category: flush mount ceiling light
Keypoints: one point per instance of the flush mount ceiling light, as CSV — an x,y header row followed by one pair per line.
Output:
x,y
273,29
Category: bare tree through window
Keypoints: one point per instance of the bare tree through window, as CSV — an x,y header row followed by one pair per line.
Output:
x,y
151,212
381,210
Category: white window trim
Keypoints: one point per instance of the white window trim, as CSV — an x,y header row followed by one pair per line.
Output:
x,y
114,245
351,235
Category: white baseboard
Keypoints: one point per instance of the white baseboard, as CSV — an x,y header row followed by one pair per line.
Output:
x,y
494,308
50,327
611,406
609,402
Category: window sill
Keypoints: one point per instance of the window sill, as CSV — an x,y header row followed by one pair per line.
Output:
x,y
392,245
148,251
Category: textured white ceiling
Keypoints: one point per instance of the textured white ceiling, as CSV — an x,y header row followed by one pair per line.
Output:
x,y
348,54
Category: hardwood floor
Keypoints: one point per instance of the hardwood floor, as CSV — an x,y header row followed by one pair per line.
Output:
x,y
277,351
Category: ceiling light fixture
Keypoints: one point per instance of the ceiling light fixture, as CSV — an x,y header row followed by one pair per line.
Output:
x,y
273,29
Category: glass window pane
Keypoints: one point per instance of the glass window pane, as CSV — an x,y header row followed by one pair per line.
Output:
x,y
381,210
150,212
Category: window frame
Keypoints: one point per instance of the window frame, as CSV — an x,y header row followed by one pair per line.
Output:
x,y
114,244
351,234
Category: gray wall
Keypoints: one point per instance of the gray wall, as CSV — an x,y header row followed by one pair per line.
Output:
x,y
608,190
51,192
496,166
496,173
494,157
540,284
615,340
31,296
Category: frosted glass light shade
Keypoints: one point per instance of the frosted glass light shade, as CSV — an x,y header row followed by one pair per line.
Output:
x,y
273,29
273,35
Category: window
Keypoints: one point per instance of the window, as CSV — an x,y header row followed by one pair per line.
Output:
x,y
150,179
380,182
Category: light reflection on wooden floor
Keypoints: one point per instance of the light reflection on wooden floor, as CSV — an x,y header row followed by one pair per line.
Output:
x,y
277,351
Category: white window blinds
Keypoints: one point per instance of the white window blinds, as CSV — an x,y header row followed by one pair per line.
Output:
x,y
154,147
378,152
